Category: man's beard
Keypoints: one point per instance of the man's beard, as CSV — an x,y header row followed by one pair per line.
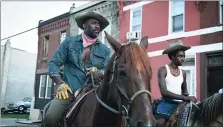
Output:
x,y
91,33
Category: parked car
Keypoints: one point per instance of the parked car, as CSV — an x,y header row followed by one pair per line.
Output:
x,y
19,106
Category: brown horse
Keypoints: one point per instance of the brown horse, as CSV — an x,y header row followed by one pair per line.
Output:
x,y
209,113
123,98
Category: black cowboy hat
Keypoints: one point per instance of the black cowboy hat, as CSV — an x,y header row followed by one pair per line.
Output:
x,y
94,15
174,46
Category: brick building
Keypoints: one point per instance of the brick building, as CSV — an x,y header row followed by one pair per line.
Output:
x,y
50,34
196,23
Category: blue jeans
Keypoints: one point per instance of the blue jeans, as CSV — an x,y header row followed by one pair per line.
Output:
x,y
163,108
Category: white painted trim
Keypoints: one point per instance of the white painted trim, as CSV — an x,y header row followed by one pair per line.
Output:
x,y
136,5
194,49
195,75
186,34
170,19
40,86
220,11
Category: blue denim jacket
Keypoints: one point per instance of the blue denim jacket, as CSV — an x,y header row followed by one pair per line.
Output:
x,y
69,53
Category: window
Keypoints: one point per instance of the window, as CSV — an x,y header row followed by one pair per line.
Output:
x,y
63,35
45,46
221,11
48,87
136,19
45,87
176,16
189,68
42,86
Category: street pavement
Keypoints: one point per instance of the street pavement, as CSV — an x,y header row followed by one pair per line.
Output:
x,y
11,122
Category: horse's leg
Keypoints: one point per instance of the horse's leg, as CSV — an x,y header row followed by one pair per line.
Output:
x,y
86,112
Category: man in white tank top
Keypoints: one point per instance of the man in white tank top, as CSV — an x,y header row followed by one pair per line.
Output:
x,y
172,81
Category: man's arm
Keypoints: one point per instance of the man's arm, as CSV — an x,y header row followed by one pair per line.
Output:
x,y
184,85
163,89
57,60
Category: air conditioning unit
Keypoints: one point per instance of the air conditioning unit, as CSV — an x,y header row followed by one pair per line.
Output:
x,y
134,35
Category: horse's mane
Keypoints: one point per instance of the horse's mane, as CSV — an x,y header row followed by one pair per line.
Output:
x,y
139,59
211,108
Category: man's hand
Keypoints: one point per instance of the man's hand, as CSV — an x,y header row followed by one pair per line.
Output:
x,y
62,91
192,98
95,72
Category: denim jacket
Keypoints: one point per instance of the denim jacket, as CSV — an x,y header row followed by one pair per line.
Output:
x,y
69,53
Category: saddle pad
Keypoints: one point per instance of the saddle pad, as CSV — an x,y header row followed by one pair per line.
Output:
x,y
184,116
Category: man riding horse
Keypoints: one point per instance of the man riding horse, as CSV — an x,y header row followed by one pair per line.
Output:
x,y
77,54
172,82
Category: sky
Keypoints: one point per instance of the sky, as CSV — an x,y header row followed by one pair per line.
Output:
x,y
19,16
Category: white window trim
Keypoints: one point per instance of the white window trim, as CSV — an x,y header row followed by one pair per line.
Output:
x,y
170,20
40,84
220,12
47,87
131,14
195,72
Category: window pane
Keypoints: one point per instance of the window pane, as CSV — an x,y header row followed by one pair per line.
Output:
x,y
49,81
43,82
177,7
178,23
62,36
49,92
137,14
46,43
42,89
215,60
136,28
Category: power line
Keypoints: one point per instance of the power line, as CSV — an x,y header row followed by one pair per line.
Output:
x,y
18,33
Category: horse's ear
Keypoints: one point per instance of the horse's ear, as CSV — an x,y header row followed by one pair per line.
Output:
x,y
144,42
115,44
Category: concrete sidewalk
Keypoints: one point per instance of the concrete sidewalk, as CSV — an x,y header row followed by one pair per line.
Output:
x,y
9,122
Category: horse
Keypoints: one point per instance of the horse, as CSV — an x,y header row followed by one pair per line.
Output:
x,y
123,98
209,112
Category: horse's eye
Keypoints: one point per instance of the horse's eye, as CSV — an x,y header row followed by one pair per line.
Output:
x,y
122,72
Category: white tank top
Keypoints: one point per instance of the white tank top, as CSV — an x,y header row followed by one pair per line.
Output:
x,y
174,83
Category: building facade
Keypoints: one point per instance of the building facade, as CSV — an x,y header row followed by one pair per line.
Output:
x,y
17,72
50,34
197,23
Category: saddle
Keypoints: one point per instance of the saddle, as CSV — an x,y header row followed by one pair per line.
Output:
x,y
179,116
78,100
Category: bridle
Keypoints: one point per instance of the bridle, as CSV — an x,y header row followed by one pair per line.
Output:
x,y
124,111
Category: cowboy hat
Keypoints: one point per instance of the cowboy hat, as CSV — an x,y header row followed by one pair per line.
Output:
x,y
94,15
174,46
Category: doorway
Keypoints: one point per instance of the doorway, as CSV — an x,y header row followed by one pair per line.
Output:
x,y
215,73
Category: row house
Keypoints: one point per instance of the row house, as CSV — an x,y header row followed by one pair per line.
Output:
x,y
50,34
197,23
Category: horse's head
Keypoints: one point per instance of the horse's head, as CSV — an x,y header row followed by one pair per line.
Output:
x,y
127,79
